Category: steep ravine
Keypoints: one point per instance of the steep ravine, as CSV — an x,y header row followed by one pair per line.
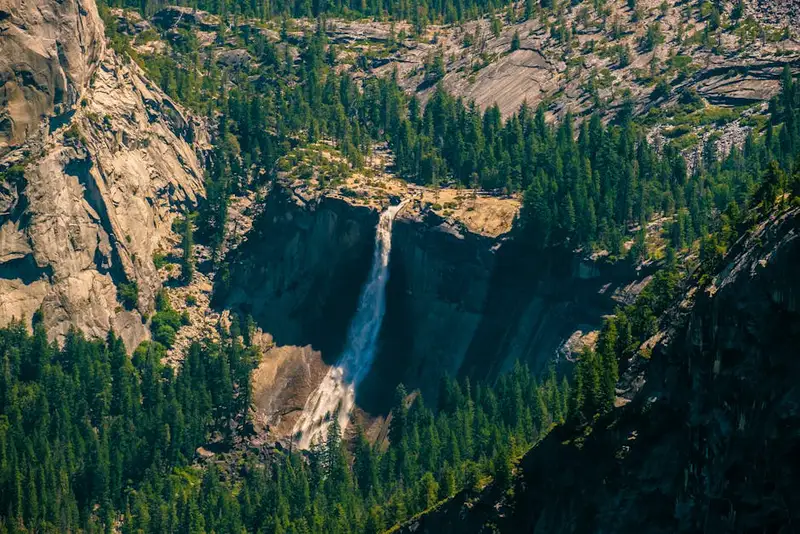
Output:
x,y
457,302
461,303
300,269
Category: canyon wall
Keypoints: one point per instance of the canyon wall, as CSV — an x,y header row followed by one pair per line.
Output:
x,y
708,444
463,303
300,269
458,302
48,52
95,162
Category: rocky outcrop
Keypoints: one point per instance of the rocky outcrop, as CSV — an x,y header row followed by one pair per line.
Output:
x,y
285,378
300,269
98,191
458,301
48,52
583,73
186,18
708,445
784,12
740,81
298,273
463,303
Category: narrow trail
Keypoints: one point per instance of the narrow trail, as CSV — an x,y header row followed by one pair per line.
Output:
x,y
335,396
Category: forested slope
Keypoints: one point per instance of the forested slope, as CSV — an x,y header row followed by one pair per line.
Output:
x,y
706,445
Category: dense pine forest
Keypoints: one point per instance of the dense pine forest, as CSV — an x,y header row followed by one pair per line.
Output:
x,y
91,439
420,13
585,184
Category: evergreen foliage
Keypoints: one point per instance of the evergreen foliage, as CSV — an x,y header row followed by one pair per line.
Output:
x,y
92,440
419,14
166,321
586,185
88,433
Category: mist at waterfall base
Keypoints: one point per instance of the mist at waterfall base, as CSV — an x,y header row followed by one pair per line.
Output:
x,y
337,391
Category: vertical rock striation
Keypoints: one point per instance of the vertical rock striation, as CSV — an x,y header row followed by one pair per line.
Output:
x,y
458,301
97,163
709,444
48,52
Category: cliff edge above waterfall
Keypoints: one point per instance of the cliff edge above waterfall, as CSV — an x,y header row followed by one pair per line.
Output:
x,y
461,299
319,170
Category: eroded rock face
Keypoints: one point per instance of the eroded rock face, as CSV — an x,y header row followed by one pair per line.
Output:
x,y
465,304
300,269
99,191
282,382
786,12
483,68
174,17
458,302
709,444
48,51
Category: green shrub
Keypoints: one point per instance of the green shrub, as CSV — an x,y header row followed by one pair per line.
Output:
x,y
677,131
469,40
146,36
73,133
661,90
13,175
159,260
685,141
165,335
652,37
128,294
166,321
715,115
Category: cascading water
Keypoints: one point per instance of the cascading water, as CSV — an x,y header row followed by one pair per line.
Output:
x,y
337,391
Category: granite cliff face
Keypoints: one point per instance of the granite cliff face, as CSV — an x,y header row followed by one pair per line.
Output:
x,y
298,273
48,52
483,67
301,268
710,442
86,201
468,304
458,301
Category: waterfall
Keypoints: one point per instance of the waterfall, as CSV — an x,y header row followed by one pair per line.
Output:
x,y
336,393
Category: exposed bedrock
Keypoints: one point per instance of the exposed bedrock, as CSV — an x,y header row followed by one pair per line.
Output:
x,y
48,51
95,164
708,444
300,269
460,303
457,302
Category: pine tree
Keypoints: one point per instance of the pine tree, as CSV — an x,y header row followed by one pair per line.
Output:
x,y
503,467
397,426
607,343
187,244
